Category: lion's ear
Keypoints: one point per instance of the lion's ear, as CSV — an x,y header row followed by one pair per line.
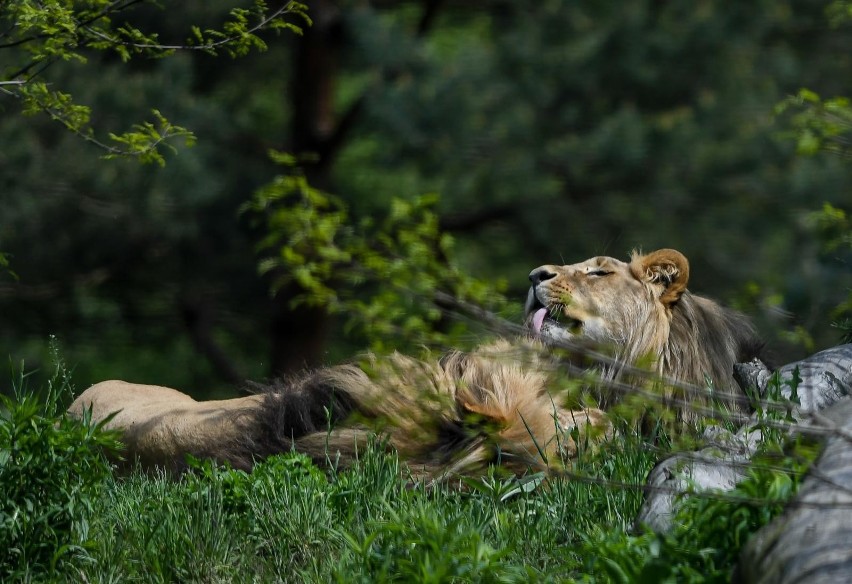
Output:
x,y
666,267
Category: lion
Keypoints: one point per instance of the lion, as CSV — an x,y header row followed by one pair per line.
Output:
x,y
465,411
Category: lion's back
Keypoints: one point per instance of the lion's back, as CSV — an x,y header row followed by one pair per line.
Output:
x,y
145,415
126,400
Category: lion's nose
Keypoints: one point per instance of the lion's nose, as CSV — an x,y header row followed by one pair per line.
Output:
x,y
540,274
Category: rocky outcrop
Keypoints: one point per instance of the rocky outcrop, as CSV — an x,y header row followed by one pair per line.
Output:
x,y
825,380
720,465
811,543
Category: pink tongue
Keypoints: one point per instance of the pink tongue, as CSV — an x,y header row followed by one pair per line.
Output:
x,y
538,319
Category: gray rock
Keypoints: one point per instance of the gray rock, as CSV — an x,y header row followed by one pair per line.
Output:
x,y
720,465
826,378
812,541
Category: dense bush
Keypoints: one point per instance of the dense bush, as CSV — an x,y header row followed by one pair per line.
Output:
x,y
709,533
51,471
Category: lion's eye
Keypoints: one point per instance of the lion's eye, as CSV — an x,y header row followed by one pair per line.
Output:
x,y
599,273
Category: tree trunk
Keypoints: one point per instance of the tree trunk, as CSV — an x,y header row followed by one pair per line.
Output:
x,y
298,335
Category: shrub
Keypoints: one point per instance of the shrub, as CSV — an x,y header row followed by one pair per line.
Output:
x,y
51,468
710,528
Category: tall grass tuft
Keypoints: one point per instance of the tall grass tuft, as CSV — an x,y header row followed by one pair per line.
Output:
x,y
52,470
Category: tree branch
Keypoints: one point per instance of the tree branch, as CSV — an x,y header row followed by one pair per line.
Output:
x,y
212,46
107,11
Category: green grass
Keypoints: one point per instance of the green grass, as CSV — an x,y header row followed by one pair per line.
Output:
x,y
67,518
290,521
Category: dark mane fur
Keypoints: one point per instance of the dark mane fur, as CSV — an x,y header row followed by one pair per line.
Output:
x,y
705,341
293,407
457,414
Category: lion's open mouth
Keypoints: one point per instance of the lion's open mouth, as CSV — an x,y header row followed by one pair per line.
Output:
x,y
540,318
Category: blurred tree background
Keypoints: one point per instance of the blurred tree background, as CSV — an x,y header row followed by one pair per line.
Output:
x,y
552,131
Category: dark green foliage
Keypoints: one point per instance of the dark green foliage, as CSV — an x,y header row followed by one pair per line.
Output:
x,y
817,124
383,274
37,35
289,521
5,268
156,530
52,471
833,227
825,125
422,545
551,133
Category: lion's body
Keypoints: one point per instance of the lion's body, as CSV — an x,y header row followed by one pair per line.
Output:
x,y
499,404
450,416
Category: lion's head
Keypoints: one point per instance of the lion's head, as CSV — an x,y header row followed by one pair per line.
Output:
x,y
642,309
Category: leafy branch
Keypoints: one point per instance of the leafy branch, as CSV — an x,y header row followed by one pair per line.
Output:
x,y
388,275
237,36
833,227
818,124
825,125
38,35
